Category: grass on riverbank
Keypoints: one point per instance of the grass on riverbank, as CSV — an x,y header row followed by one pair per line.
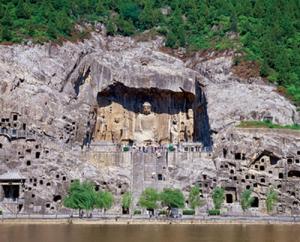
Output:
x,y
267,124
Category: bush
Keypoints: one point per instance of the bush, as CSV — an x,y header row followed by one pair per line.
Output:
x,y
188,212
137,212
171,147
162,212
214,212
1,212
125,148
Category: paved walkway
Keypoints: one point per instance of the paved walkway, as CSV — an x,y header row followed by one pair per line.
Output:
x,y
117,219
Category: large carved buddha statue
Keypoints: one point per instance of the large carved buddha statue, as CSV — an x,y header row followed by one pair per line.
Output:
x,y
146,126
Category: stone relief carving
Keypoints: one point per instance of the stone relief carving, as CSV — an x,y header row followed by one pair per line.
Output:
x,y
116,124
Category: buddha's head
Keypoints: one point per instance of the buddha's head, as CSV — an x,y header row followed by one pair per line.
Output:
x,y
146,108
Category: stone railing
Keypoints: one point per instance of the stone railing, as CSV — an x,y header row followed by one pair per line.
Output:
x,y
196,147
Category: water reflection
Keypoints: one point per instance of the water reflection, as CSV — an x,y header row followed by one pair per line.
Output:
x,y
149,233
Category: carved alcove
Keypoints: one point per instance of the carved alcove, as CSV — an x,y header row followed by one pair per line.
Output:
x,y
144,116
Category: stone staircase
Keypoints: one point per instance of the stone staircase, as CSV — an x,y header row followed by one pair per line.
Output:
x,y
146,169
137,174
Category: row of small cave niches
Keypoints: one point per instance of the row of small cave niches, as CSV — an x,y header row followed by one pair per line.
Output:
x,y
33,183
273,159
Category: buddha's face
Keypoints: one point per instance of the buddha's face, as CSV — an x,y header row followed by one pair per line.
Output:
x,y
146,108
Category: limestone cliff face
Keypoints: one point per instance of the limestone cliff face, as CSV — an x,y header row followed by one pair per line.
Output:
x,y
53,99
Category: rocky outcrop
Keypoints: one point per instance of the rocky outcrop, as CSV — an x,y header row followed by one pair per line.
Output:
x,y
232,99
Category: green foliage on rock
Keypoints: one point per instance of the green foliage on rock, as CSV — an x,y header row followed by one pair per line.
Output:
x,y
267,124
271,200
149,198
172,198
246,199
218,197
267,31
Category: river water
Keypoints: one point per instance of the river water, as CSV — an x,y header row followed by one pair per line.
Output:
x,y
149,233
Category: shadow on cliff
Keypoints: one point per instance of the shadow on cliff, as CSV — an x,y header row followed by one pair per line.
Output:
x,y
132,99
202,126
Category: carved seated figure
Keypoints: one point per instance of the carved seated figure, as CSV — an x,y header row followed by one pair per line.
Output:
x,y
146,126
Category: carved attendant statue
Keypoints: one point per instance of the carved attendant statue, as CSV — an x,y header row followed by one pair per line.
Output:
x,y
174,130
190,125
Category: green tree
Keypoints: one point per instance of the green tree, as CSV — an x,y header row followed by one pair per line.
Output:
x,y
125,27
218,197
194,197
271,200
129,10
52,30
81,196
150,16
172,198
2,10
5,33
63,23
149,198
234,23
6,21
126,201
104,200
22,10
111,27
246,199
176,35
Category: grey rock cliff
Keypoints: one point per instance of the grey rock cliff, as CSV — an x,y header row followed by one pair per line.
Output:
x,y
49,94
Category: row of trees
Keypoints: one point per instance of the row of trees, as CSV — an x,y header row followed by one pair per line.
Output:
x,y
246,199
169,198
82,196
267,31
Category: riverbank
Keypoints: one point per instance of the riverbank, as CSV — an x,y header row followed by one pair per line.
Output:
x,y
145,221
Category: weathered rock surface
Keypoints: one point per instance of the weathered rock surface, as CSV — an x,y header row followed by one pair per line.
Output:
x,y
231,99
49,95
